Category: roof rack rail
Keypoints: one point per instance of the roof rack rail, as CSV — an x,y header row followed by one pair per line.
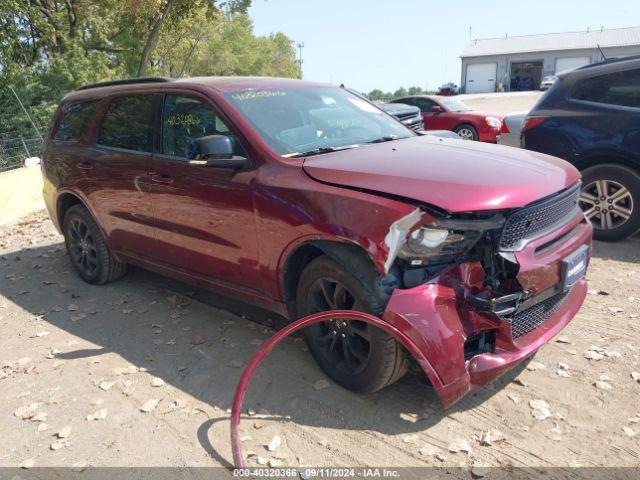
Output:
x,y
609,60
128,81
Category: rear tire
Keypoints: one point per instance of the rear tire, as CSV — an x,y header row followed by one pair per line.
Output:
x,y
355,355
610,198
467,132
87,248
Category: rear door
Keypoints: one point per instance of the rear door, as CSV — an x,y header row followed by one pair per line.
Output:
x,y
115,170
608,113
203,215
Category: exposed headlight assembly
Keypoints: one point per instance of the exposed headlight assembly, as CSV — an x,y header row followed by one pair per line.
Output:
x,y
430,244
445,240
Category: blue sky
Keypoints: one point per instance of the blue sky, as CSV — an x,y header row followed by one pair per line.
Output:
x,y
386,44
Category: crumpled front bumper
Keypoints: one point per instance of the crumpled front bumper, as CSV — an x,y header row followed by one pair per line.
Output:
x,y
438,320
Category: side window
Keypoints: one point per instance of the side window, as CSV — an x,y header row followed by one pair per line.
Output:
x,y
184,119
425,104
74,118
128,123
620,88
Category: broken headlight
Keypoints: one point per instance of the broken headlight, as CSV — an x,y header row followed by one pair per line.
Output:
x,y
434,244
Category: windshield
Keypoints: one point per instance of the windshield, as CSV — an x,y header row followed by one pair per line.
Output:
x,y
455,105
295,121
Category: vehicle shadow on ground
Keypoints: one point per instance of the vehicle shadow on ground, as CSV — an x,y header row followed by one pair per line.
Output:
x,y
193,339
623,251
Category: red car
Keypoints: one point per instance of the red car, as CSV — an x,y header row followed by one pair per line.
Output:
x,y
303,197
447,113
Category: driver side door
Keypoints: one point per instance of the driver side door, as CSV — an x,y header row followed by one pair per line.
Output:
x,y
431,119
203,215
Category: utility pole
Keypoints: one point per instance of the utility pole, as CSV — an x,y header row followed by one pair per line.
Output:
x,y
300,47
27,114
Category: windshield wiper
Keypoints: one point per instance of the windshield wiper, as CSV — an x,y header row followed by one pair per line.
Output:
x,y
319,151
387,138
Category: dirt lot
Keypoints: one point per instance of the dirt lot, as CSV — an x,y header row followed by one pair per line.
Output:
x,y
81,363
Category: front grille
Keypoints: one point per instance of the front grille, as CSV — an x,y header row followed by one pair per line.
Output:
x,y
539,218
527,320
405,116
417,125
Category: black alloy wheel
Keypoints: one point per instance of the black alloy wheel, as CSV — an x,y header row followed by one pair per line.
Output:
x,y
82,247
345,343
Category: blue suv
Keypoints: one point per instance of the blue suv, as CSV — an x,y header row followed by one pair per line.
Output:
x,y
591,118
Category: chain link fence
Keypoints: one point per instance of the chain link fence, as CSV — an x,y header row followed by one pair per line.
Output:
x,y
19,137
14,150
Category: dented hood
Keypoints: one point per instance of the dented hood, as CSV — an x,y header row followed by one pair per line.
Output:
x,y
455,175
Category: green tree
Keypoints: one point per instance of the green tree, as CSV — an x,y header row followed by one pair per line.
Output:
x,y
415,91
48,47
401,92
376,94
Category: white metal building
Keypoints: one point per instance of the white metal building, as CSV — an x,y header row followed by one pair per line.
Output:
x,y
520,63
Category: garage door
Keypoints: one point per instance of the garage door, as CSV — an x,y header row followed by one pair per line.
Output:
x,y
481,78
570,63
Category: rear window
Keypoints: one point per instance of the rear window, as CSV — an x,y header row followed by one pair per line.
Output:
x,y
128,123
620,88
75,117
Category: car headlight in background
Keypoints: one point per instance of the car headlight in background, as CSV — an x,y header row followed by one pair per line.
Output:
x,y
493,122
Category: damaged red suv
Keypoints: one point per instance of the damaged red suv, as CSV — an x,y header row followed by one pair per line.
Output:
x,y
302,197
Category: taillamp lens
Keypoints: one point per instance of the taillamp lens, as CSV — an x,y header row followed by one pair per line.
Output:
x,y
531,122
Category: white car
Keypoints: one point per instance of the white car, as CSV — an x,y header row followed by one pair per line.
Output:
x,y
511,127
547,82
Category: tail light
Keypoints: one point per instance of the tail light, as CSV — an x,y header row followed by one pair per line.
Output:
x,y
504,128
531,122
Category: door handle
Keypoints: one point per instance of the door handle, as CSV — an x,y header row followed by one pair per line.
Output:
x,y
159,178
84,165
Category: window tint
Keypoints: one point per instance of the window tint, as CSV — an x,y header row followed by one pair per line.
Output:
x,y
406,101
74,118
129,123
425,104
184,119
620,88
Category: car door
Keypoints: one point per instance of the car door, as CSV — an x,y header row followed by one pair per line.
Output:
x,y
204,216
430,118
115,170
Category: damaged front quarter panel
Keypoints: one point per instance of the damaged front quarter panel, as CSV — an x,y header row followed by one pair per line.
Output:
x,y
397,235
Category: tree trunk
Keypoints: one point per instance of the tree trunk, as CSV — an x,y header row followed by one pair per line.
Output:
x,y
153,38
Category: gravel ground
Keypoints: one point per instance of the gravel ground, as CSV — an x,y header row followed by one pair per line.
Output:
x,y
141,373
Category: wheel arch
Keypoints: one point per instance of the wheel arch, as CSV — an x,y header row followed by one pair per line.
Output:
x,y
601,158
352,256
68,199
65,201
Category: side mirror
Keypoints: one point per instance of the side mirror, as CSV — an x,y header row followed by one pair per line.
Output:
x,y
437,109
214,151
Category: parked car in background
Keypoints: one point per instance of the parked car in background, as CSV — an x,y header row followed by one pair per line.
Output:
x,y
448,89
547,82
303,197
511,129
446,113
407,114
591,118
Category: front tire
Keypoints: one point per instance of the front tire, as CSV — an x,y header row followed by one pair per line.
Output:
x,y
354,354
610,198
87,248
467,132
